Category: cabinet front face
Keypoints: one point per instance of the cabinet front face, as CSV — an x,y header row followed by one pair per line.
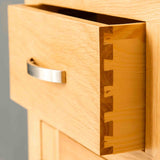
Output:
x,y
47,143
57,146
101,102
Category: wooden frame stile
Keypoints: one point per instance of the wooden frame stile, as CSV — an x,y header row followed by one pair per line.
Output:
x,y
43,139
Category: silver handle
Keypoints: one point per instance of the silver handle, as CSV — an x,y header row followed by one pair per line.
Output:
x,y
45,74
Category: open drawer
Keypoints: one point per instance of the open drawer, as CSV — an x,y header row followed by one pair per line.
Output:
x,y
95,65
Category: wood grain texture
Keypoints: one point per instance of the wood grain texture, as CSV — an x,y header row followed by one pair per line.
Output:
x,y
123,87
105,66
43,139
69,44
135,155
49,142
66,148
152,97
142,10
34,137
147,10
71,150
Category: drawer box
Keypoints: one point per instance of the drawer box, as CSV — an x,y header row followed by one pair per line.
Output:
x,y
102,102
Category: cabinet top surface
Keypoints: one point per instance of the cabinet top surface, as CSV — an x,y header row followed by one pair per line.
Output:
x,y
141,10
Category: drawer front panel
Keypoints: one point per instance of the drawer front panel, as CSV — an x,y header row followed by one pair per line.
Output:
x,y
103,95
59,43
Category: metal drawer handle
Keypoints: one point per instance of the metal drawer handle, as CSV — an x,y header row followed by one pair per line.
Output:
x,y
45,74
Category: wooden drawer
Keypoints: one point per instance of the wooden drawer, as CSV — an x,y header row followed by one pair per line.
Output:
x,y
101,105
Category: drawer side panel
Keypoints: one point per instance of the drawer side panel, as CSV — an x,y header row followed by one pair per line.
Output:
x,y
122,88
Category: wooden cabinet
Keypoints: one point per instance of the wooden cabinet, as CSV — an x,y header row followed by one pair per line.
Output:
x,y
48,143
149,12
101,104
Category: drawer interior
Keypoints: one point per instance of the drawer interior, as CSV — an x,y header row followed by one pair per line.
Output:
x,y
95,17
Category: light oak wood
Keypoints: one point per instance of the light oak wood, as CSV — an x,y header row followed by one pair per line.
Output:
x,y
147,10
142,10
50,142
135,155
53,142
102,104
34,137
65,105
71,150
128,66
152,97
